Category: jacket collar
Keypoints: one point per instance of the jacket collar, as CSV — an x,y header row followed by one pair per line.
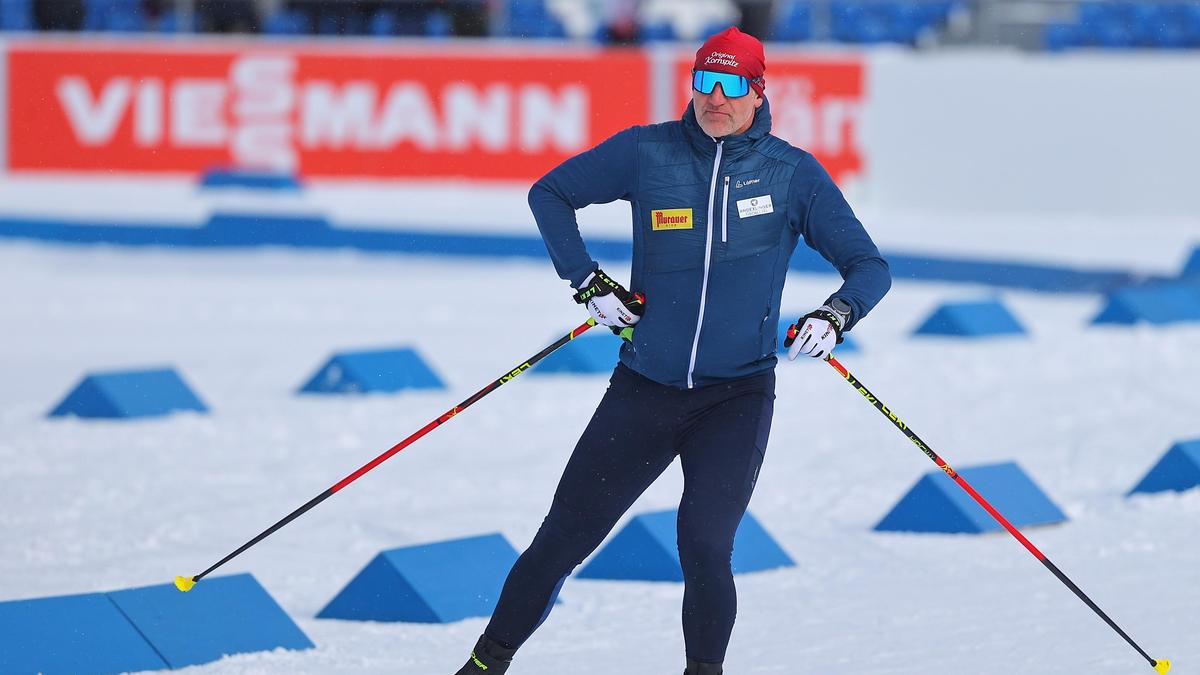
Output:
x,y
734,144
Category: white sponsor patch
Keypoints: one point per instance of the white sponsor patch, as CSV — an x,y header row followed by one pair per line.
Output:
x,y
755,206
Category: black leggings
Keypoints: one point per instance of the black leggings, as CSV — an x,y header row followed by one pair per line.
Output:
x,y
720,434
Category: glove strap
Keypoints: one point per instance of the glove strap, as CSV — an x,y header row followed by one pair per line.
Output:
x,y
825,315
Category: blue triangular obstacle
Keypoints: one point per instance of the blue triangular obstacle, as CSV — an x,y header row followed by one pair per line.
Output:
x,y
971,319
134,393
249,179
83,634
221,615
1179,470
1192,267
593,352
646,550
432,583
937,504
1159,304
848,346
387,370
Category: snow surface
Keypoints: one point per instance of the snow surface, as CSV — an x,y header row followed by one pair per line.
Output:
x,y
97,505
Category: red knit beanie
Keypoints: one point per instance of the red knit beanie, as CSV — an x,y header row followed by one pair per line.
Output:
x,y
732,51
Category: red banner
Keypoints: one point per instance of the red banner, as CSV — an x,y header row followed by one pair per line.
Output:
x,y
324,112
816,105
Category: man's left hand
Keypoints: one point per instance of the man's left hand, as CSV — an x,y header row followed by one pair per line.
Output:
x,y
816,334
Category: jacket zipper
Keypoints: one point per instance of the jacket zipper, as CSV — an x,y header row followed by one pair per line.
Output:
x,y
712,198
725,213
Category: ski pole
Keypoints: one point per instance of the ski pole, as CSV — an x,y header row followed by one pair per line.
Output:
x,y
1159,665
185,584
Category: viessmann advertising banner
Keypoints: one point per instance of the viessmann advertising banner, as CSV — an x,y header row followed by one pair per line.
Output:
x,y
321,112
367,111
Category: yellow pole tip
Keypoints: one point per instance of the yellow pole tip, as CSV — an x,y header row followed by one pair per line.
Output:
x,y
1162,665
185,584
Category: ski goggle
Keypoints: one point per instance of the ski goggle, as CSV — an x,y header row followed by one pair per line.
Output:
x,y
733,86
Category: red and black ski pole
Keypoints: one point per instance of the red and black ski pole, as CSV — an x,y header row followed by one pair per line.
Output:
x,y
185,584
1159,665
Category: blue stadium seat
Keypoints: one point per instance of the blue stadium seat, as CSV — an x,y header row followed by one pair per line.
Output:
x,y
657,32
289,22
845,18
1057,37
16,14
793,22
1191,22
170,22
1163,26
383,23
438,25
125,17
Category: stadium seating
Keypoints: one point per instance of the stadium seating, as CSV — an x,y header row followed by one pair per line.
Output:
x,y
1123,25
1126,24
16,14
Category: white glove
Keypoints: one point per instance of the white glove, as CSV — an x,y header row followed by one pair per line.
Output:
x,y
816,334
609,303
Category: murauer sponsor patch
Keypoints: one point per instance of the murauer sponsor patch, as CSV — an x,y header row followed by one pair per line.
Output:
x,y
755,206
671,219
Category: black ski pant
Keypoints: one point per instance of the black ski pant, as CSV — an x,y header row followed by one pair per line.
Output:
x,y
719,433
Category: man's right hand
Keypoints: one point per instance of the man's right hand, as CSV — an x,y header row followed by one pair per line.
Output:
x,y
609,303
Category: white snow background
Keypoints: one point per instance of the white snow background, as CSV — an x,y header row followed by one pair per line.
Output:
x,y
96,505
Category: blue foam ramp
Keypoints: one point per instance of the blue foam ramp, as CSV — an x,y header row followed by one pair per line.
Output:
x,y
1157,304
646,550
596,351
130,393
1192,267
220,616
937,504
1178,469
848,346
430,583
249,179
71,635
971,319
378,370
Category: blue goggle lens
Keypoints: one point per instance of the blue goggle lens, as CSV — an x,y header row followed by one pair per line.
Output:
x,y
733,86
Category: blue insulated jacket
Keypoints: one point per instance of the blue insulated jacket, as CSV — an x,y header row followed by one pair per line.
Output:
x,y
715,222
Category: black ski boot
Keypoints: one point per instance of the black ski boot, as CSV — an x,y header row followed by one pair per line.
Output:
x,y
698,668
491,658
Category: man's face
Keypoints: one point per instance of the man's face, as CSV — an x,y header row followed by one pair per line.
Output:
x,y
720,116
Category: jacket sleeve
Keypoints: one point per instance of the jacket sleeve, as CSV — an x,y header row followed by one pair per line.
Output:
x,y
830,227
603,174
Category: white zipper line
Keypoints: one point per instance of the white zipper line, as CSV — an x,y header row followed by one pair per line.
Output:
x,y
725,213
712,198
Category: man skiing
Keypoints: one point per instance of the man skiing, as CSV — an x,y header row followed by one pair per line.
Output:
x,y
718,206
